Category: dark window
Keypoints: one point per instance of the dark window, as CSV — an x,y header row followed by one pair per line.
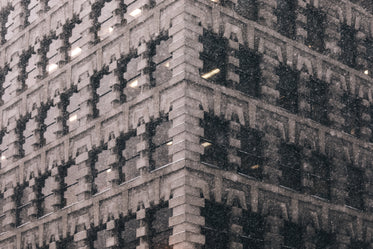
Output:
x,y
355,244
290,164
253,231
251,152
215,141
320,175
127,232
216,229
159,142
248,9
288,88
315,28
355,187
286,17
159,228
214,57
23,203
348,45
325,240
293,238
352,114
369,54
249,72
128,155
318,100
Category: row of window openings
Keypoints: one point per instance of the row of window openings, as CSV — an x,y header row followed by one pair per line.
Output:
x,y
315,27
124,233
214,59
218,218
158,153
216,145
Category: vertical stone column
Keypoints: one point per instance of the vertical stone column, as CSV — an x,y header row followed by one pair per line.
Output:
x,y
335,104
85,177
270,79
234,144
86,100
301,22
33,198
232,77
9,209
366,119
12,142
271,169
236,228
56,174
332,37
266,13
113,175
112,241
142,163
142,66
143,231
186,220
272,237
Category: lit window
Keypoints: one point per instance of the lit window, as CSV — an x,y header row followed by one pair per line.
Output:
x,y
73,118
135,13
52,67
366,72
211,73
133,83
75,52
215,141
251,152
214,57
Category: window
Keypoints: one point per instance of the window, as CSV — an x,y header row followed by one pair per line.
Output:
x,y
248,9
23,203
355,187
369,56
348,45
127,232
251,152
216,229
315,28
46,196
318,100
128,155
293,238
325,240
290,164
320,175
288,88
352,113
215,141
159,142
356,244
214,57
159,228
253,230
286,17
249,72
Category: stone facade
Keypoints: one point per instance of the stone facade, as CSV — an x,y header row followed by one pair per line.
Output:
x,y
186,124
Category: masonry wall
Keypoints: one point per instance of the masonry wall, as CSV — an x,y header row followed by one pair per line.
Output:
x,y
101,124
